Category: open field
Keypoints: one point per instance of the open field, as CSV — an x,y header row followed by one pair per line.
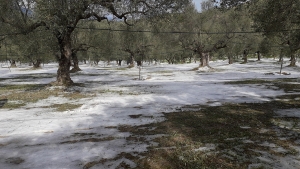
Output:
x,y
232,116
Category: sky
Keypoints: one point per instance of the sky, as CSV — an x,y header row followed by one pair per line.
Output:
x,y
197,4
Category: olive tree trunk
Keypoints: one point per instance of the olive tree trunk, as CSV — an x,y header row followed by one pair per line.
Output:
x,y
204,59
76,67
63,72
230,59
13,63
258,55
245,56
293,59
37,64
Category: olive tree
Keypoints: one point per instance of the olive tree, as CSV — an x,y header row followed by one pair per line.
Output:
x,y
280,19
62,17
209,32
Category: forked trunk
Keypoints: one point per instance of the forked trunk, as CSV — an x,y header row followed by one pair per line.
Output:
x,y
63,72
13,63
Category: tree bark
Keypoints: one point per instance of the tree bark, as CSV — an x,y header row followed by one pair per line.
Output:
x,y
13,63
96,61
204,59
280,56
76,67
130,61
230,59
245,56
293,59
258,56
37,64
139,63
119,62
63,72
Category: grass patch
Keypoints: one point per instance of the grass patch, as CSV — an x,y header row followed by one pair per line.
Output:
x,y
227,136
249,81
119,92
195,69
65,106
164,72
88,140
12,105
122,68
289,85
24,87
17,96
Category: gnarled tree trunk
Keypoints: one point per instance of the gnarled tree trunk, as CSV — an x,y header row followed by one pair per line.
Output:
x,y
63,72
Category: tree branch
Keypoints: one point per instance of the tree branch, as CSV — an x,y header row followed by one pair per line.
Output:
x,y
82,47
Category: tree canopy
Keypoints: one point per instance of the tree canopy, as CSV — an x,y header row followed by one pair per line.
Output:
x,y
145,30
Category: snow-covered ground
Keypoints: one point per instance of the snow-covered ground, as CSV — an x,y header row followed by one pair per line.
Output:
x,y
36,136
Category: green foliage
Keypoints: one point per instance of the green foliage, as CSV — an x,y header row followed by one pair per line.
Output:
x,y
176,35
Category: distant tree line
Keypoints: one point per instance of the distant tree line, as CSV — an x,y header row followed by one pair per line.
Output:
x,y
145,32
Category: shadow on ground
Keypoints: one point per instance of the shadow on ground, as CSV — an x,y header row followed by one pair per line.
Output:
x,y
3,102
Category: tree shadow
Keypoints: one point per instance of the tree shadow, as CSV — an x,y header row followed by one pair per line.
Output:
x,y
3,102
227,136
